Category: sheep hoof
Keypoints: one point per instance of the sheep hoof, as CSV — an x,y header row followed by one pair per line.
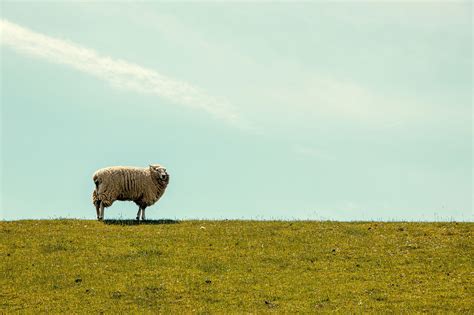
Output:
x,y
100,219
137,219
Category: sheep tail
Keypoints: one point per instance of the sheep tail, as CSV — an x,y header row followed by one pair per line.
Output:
x,y
96,182
95,193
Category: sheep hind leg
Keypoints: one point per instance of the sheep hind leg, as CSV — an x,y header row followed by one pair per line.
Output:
x,y
101,212
143,214
97,208
139,213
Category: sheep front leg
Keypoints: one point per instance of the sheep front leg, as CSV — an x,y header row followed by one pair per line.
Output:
x,y
138,213
143,214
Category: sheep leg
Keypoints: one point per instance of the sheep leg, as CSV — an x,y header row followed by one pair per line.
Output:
x,y
97,210
138,213
143,214
101,212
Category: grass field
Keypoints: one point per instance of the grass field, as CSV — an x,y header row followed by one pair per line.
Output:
x,y
236,266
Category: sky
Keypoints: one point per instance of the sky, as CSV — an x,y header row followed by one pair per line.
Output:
x,y
258,110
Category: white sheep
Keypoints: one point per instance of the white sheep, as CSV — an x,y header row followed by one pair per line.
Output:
x,y
144,186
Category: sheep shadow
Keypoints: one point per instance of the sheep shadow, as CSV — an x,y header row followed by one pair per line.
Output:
x,y
136,222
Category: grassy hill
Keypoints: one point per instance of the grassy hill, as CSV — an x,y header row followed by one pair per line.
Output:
x,y
234,266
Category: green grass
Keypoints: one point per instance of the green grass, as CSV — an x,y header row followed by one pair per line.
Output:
x,y
236,266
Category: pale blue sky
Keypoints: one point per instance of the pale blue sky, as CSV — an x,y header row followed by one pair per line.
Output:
x,y
344,111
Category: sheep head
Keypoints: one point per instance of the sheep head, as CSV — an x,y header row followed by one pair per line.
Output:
x,y
159,173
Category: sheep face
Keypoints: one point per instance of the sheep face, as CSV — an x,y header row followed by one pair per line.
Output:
x,y
159,173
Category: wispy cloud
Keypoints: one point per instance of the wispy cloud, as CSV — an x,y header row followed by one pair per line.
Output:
x,y
119,73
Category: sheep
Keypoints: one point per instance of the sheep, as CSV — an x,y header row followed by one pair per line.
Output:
x,y
143,186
